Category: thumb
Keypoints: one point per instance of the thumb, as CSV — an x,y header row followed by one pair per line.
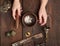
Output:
x,y
13,14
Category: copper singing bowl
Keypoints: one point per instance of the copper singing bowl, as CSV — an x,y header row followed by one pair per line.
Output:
x,y
29,19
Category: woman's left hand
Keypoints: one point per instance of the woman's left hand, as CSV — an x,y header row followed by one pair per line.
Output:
x,y
42,16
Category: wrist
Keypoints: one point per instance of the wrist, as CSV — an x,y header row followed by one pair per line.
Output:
x,y
16,0
42,7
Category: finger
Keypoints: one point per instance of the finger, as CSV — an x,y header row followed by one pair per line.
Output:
x,y
40,18
45,21
20,8
13,14
19,12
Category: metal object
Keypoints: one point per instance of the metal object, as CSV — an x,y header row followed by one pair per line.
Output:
x,y
29,19
5,7
10,33
24,41
27,34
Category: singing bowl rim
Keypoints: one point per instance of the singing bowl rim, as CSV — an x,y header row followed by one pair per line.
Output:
x,y
27,13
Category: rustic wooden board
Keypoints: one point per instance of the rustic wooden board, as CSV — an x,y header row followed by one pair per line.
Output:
x,y
54,33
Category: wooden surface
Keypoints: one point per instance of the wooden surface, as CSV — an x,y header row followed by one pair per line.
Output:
x,y
54,33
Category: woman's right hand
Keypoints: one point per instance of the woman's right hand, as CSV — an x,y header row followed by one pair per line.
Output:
x,y
16,6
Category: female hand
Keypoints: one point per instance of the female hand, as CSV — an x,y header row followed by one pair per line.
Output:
x,y
16,6
42,16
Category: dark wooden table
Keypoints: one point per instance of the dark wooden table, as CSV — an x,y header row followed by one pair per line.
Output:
x,y
54,33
